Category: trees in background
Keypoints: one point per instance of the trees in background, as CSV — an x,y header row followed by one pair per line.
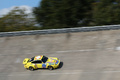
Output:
x,y
63,13
69,13
17,20
106,12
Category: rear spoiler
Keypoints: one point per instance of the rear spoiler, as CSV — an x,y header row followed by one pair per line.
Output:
x,y
26,60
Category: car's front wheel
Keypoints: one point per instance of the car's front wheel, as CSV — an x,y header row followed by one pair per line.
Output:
x,y
31,68
50,68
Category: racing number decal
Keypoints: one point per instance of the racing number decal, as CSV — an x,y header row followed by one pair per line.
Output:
x,y
57,61
38,57
43,65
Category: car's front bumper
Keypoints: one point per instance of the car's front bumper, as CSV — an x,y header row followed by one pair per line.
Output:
x,y
57,65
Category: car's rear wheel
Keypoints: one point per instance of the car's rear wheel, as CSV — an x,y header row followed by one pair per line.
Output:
x,y
50,68
31,68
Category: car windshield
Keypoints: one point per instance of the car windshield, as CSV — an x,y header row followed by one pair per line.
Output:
x,y
44,59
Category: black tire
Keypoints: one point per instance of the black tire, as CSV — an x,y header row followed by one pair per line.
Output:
x,y
50,68
31,68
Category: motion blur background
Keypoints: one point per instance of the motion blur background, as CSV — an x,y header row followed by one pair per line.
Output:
x,y
86,53
53,14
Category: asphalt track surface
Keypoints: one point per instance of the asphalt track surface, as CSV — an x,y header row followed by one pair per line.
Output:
x,y
76,64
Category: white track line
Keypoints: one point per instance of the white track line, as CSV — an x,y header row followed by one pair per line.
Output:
x,y
76,50
84,50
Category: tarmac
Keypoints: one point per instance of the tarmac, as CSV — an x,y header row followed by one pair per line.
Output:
x,y
84,56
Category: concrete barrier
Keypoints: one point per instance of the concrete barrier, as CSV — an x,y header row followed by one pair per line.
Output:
x,y
64,30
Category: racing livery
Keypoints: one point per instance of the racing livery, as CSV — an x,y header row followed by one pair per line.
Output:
x,y
41,61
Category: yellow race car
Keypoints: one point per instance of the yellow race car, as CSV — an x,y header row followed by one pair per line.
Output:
x,y
41,61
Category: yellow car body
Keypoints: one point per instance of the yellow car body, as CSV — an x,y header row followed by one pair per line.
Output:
x,y
41,61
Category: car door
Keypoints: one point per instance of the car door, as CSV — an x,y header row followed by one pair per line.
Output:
x,y
38,63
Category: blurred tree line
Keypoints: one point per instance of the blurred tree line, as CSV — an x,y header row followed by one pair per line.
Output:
x,y
106,12
76,13
63,13
52,14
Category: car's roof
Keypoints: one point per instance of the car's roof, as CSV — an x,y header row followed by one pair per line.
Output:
x,y
39,57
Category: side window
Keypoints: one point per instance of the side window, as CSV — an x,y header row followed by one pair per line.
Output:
x,y
37,62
